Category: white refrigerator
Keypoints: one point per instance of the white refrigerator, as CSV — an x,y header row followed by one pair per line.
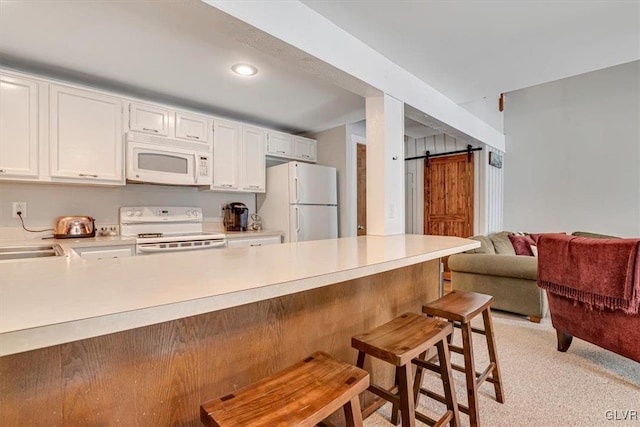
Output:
x,y
301,201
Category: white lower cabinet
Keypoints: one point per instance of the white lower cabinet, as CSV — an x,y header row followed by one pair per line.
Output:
x,y
85,134
106,252
18,128
245,242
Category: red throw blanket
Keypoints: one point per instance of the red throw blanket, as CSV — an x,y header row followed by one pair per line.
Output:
x,y
602,273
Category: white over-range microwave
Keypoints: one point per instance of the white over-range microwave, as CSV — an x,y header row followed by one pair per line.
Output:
x,y
159,160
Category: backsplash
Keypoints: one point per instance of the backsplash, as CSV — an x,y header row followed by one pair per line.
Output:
x,y
45,202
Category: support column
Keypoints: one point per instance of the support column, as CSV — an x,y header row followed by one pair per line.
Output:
x,y
385,165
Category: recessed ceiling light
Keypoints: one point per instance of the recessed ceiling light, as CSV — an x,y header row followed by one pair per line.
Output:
x,y
244,69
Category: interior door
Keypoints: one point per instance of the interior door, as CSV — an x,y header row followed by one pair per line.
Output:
x,y
312,223
448,196
362,188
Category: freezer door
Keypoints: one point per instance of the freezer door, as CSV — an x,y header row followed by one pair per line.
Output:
x,y
312,223
312,184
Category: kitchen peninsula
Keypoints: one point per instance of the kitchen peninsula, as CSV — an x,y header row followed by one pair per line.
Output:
x,y
144,340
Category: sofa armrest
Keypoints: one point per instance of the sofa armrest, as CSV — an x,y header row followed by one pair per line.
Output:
x,y
521,267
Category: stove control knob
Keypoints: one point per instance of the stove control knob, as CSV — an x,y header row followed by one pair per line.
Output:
x,y
138,213
194,212
188,213
129,212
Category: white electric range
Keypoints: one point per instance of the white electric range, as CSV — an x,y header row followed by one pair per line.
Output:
x,y
160,229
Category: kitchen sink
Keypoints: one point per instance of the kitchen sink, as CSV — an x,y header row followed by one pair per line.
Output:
x,y
28,251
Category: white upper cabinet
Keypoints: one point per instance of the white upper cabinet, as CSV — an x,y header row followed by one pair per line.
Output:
x,y
18,128
287,146
279,144
151,119
252,155
226,137
193,127
86,136
304,148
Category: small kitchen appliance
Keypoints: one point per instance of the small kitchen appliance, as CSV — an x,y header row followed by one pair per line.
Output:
x,y
235,216
160,229
71,227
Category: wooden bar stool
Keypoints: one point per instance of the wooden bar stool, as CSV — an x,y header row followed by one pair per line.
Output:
x,y
460,308
398,342
301,395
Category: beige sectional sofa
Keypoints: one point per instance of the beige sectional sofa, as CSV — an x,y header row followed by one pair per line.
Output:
x,y
495,269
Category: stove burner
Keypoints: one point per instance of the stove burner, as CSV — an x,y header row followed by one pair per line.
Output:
x,y
149,235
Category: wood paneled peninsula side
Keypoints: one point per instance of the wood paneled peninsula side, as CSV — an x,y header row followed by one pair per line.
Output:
x,y
145,340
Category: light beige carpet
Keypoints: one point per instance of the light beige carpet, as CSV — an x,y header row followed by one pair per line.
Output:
x,y
587,386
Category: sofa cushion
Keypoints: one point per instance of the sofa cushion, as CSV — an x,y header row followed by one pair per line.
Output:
x,y
502,244
520,267
486,246
522,244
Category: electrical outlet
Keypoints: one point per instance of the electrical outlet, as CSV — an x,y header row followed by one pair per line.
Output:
x,y
19,207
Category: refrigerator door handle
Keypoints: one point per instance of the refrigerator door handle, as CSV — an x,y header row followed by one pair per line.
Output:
x,y
297,188
297,220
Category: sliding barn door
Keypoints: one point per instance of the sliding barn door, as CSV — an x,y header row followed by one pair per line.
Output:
x,y
448,196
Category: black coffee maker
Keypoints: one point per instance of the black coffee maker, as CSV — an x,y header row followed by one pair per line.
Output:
x,y
235,217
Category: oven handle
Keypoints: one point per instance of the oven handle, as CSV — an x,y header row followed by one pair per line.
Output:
x,y
153,247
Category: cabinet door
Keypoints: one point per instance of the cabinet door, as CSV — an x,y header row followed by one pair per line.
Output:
x,y
226,137
18,128
193,127
85,136
279,144
252,155
150,119
304,148
253,242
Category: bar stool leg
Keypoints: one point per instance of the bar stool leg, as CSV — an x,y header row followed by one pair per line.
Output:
x,y
493,355
447,382
353,413
417,382
406,396
470,373
395,409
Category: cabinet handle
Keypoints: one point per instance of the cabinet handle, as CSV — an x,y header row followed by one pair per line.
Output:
x,y
227,185
150,130
306,156
3,170
258,244
193,136
87,175
282,152
254,186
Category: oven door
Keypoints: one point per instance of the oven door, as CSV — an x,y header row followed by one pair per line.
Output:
x,y
159,164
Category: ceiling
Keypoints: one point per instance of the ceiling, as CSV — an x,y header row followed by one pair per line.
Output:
x,y
470,49
181,52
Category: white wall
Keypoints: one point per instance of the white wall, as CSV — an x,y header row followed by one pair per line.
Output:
x,y
45,202
573,158
332,151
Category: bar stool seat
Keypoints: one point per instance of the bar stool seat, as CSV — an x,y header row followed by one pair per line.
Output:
x,y
460,308
398,342
301,395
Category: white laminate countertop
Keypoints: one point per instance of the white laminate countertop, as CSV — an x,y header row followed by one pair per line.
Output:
x,y
50,301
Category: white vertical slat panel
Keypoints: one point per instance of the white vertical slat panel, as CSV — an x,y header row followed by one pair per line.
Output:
x,y
439,144
495,195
